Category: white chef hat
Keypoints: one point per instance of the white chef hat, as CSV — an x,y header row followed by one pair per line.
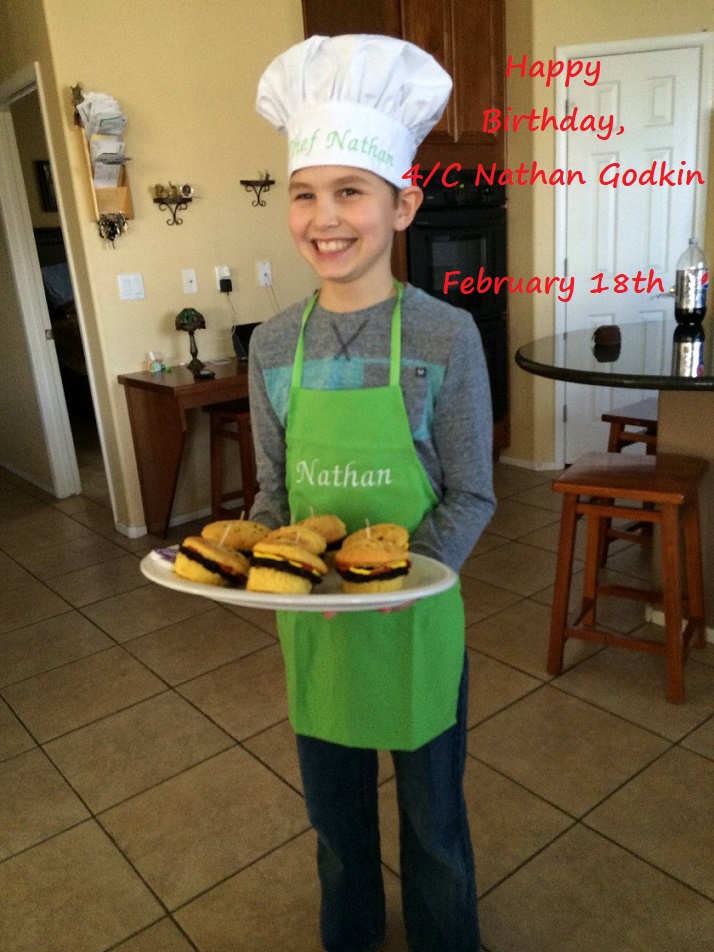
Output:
x,y
357,100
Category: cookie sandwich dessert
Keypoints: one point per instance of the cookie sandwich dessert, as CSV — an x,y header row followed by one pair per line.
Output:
x,y
331,527
388,532
372,565
284,568
238,534
200,560
299,535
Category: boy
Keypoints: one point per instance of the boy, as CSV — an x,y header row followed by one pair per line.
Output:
x,y
391,384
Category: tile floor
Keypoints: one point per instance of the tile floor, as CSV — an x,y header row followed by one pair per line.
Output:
x,y
149,794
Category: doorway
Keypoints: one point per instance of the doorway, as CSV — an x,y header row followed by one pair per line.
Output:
x,y
659,91
57,420
59,294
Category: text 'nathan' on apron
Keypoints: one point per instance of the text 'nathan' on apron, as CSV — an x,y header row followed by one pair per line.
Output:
x,y
366,679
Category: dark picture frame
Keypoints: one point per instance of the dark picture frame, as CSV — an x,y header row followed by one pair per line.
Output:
x,y
46,185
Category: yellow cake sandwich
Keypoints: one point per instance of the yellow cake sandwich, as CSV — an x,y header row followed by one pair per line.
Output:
x,y
371,565
200,560
284,568
238,534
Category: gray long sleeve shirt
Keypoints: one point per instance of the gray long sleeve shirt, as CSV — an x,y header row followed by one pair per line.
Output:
x,y
446,392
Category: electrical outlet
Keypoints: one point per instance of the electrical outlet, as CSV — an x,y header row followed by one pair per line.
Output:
x,y
222,272
265,275
190,285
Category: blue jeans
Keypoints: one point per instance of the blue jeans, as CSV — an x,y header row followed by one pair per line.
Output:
x,y
438,882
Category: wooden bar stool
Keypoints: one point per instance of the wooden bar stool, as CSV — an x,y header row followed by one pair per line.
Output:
x,y
629,425
641,415
591,487
231,421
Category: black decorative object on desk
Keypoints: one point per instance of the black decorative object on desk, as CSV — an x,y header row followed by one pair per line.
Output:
x,y
190,320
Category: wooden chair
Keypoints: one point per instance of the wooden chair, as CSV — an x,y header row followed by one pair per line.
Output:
x,y
602,486
231,421
642,416
635,423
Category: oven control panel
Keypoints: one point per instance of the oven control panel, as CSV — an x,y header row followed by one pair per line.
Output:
x,y
466,193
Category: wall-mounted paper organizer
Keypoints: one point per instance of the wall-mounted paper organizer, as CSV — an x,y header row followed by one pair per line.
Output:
x,y
101,125
108,200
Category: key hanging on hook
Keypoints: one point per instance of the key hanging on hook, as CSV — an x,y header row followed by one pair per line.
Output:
x,y
111,226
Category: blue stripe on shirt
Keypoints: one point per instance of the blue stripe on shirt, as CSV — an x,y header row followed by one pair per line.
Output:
x,y
342,374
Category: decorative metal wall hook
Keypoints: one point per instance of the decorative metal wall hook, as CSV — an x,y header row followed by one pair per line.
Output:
x,y
258,186
173,198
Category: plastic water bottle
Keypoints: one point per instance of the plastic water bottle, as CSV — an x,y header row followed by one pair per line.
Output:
x,y
690,290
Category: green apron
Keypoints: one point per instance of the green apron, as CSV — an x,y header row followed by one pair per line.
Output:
x,y
366,679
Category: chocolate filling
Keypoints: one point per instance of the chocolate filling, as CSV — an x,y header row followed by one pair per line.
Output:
x,y
233,578
378,574
279,566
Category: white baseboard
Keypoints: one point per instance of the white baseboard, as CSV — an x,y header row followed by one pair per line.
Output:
x,y
32,480
135,532
131,532
656,617
528,463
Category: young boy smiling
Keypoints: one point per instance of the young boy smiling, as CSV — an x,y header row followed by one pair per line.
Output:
x,y
342,221
378,377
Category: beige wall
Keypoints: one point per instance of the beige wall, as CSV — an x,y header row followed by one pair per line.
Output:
x,y
186,82
536,28
32,146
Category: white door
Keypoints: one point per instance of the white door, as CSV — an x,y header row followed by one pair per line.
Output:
x,y
617,228
43,452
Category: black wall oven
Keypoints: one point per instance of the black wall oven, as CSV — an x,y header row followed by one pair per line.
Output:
x,y
459,233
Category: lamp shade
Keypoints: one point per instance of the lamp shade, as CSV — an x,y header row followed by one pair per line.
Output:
x,y
189,320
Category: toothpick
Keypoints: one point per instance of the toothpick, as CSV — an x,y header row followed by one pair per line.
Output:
x,y
225,533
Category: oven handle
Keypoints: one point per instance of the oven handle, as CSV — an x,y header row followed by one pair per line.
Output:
x,y
458,218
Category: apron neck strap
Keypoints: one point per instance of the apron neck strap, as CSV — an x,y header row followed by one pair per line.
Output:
x,y
395,359
300,349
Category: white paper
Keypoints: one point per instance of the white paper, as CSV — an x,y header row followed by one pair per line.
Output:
x,y
104,123
104,148
106,175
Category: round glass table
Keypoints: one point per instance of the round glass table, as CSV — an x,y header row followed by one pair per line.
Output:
x,y
651,355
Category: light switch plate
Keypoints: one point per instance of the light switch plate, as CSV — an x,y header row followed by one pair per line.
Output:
x,y
131,287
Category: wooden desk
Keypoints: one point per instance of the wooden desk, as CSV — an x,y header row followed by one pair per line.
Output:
x,y
157,406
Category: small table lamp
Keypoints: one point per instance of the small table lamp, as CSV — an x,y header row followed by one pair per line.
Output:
x,y
190,320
